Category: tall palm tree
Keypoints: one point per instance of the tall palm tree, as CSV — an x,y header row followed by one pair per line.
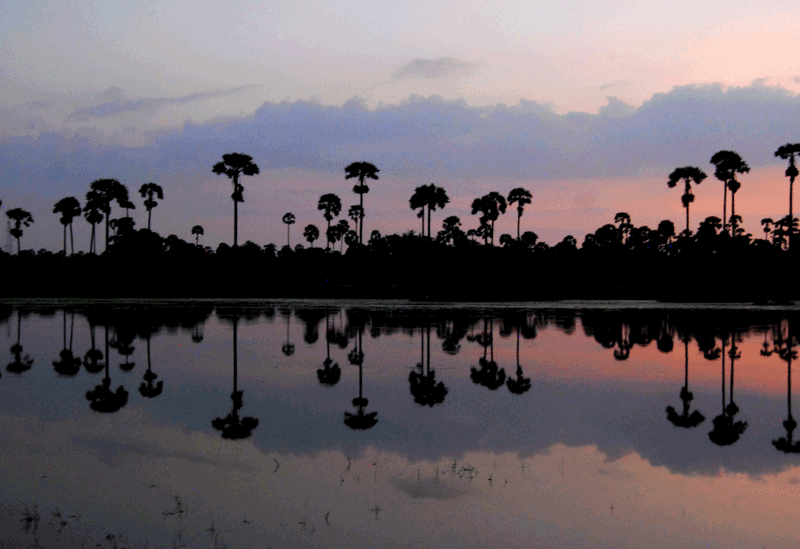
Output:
x,y
288,218
102,192
689,175
332,206
491,206
197,231
151,191
233,165
93,215
69,208
21,218
431,197
521,197
361,170
356,214
728,164
311,233
789,151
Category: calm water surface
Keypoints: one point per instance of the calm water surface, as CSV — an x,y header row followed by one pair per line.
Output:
x,y
360,425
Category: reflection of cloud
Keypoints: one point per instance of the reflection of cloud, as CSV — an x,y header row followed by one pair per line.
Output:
x,y
110,451
431,68
113,102
604,87
427,488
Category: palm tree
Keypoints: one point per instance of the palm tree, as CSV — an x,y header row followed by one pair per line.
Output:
x,y
623,221
93,215
689,175
21,218
521,197
431,197
356,214
790,150
491,206
767,222
102,192
311,233
728,164
288,218
69,208
361,170
332,206
233,165
151,191
67,365
197,230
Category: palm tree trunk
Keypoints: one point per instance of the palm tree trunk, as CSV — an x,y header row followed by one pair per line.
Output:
x,y
492,235
429,221
235,355
149,213
687,218
791,185
235,211
361,204
287,235
18,245
724,204
65,241
733,213
71,240
422,218
108,214
519,218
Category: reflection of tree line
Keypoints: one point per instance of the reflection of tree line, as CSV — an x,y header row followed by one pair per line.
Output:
x,y
716,336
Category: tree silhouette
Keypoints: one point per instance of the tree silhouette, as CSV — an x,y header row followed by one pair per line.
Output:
x,y
93,215
102,192
361,170
22,363
727,431
451,233
519,384
311,233
728,164
69,208
67,365
786,351
151,191
689,175
491,206
234,165
288,347
431,197
93,356
360,420
789,151
21,218
332,206
521,197
356,214
685,419
424,388
232,426
489,375
288,218
330,374
197,231
147,389
623,221
102,399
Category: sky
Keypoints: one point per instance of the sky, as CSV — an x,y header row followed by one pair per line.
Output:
x,y
589,105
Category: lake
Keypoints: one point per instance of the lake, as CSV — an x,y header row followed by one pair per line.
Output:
x,y
389,425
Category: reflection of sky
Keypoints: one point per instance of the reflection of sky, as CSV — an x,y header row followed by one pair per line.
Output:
x,y
589,442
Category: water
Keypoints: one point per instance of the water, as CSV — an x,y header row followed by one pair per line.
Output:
x,y
574,449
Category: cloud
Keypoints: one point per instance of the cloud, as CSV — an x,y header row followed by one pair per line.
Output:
x,y
431,68
113,102
796,79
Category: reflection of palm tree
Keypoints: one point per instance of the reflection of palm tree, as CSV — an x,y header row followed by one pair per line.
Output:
x,y
685,419
67,365
790,151
624,345
727,431
787,353
104,400
146,388
22,363
360,420
288,347
423,383
232,426
93,356
489,375
519,384
331,373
